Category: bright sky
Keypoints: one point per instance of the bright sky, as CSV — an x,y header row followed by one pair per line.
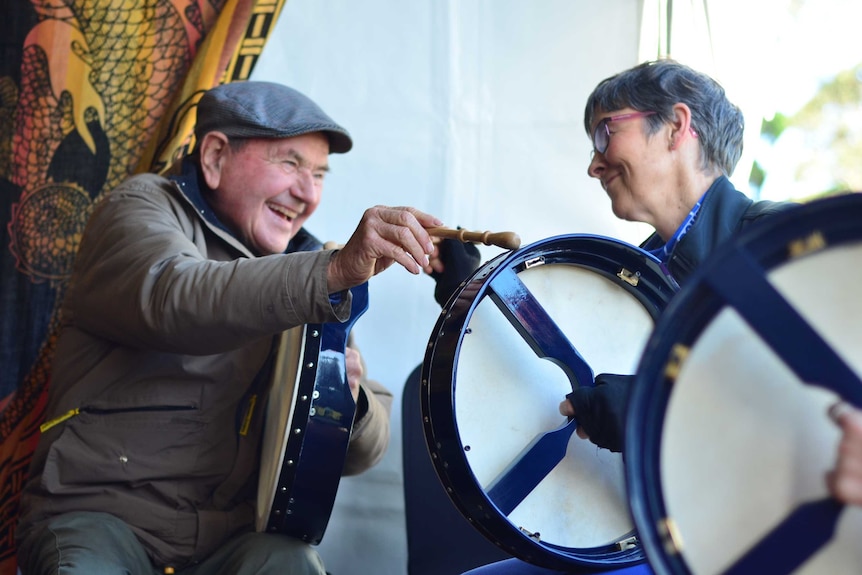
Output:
x,y
813,44
771,56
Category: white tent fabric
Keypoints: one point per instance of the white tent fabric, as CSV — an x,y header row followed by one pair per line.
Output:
x,y
472,111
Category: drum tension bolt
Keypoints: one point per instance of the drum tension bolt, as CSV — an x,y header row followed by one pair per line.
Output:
x,y
627,543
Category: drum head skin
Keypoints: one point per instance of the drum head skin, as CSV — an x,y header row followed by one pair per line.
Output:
x,y
728,440
521,333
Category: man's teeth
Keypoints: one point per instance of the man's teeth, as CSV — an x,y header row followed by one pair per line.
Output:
x,y
284,212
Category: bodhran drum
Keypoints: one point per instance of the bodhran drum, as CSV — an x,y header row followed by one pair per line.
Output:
x,y
309,412
515,338
728,440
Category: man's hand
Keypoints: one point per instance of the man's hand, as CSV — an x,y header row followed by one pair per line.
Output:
x,y
354,370
384,236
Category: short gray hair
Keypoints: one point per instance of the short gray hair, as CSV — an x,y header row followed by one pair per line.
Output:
x,y
655,87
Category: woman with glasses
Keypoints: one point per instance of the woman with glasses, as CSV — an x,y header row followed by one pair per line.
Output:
x,y
665,140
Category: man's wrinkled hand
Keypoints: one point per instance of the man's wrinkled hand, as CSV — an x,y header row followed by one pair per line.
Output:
x,y
385,235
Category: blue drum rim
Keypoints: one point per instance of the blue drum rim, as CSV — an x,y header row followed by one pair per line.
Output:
x,y
836,219
600,254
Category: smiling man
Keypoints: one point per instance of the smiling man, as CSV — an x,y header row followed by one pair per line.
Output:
x,y
149,456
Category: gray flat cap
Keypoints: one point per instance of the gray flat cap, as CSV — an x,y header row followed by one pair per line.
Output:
x,y
255,109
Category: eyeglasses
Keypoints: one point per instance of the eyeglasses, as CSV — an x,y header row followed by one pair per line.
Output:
x,y
602,134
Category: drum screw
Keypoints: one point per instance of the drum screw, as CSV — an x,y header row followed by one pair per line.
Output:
x,y
469,330
312,412
315,333
315,394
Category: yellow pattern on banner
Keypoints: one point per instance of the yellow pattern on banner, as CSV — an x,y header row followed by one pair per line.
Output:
x,y
89,105
175,137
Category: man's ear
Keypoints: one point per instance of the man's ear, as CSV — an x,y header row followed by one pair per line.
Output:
x,y
681,125
214,149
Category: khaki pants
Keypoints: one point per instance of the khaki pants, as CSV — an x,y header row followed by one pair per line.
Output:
x,y
85,543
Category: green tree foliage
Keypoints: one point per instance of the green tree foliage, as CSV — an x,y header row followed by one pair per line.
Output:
x,y
832,123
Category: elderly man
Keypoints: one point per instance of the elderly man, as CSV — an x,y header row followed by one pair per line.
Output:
x,y
149,456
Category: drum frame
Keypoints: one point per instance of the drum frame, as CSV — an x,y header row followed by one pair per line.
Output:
x,y
651,285
307,483
743,261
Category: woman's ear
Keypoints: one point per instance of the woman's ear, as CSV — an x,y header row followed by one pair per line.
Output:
x,y
213,152
681,125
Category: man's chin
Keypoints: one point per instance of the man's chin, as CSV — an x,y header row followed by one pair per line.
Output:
x,y
273,248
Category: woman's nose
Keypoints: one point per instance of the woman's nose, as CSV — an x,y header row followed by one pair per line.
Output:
x,y
596,166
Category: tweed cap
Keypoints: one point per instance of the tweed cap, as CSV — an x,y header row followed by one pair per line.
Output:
x,y
254,109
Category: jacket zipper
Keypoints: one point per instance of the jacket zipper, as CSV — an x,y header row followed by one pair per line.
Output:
x,y
73,412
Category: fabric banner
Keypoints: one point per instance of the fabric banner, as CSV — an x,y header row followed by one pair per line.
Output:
x,y
91,91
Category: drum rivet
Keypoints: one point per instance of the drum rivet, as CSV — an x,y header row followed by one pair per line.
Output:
x,y
290,461
670,536
309,365
449,489
312,411
466,448
284,489
277,511
631,278
426,419
297,431
678,355
304,398
469,330
292,500
315,394
290,511
315,333
803,246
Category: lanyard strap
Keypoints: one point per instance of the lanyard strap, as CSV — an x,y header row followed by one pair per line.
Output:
x,y
663,252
